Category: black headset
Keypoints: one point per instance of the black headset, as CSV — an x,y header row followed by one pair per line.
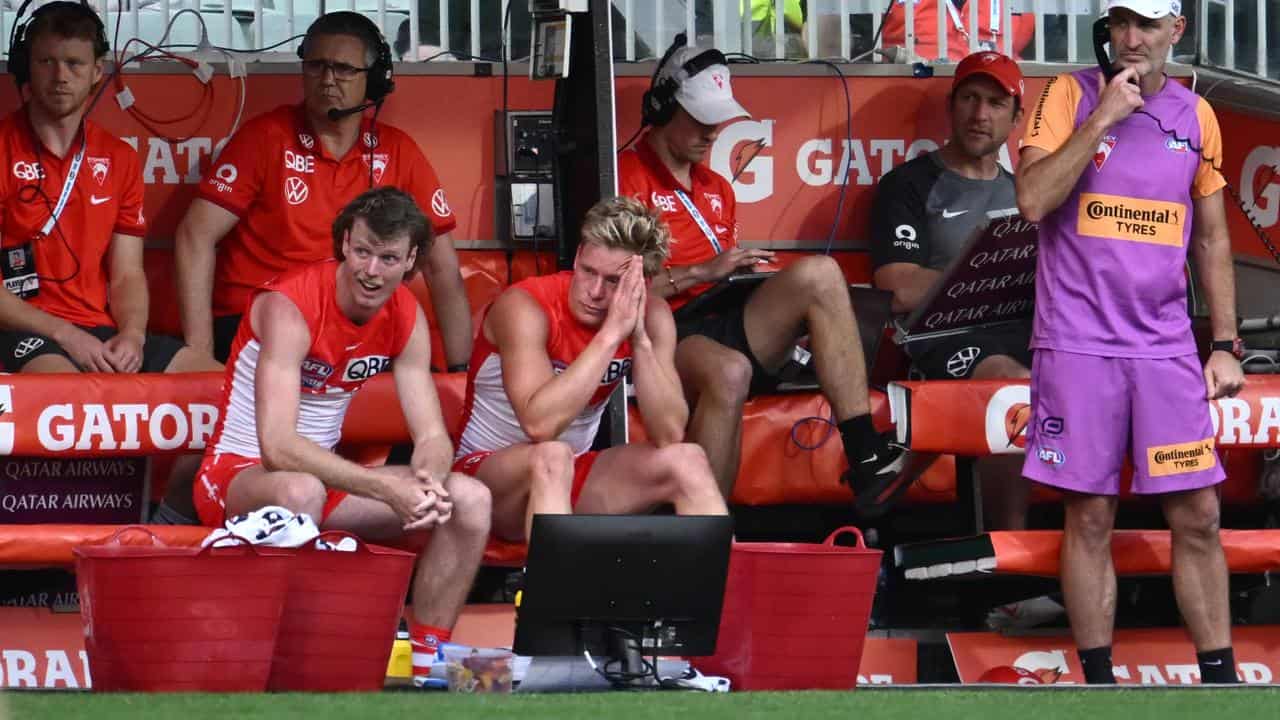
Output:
x,y
659,103
20,50
380,83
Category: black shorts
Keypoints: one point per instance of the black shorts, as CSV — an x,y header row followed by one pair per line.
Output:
x,y
18,348
729,329
954,357
224,333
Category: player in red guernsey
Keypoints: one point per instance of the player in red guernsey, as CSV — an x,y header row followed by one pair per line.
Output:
x,y
549,352
307,343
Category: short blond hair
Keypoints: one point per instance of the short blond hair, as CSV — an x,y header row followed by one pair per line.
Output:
x,y
623,223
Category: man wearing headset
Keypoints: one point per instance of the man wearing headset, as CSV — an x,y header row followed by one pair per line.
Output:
x,y
75,296
1121,173
265,205
266,202
724,358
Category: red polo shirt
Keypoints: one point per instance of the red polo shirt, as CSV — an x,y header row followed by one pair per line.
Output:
x,y
642,175
71,261
275,175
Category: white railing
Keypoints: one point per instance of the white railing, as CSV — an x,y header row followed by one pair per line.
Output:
x,y
1236,35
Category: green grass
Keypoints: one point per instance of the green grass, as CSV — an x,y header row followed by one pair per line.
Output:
x,y
871,704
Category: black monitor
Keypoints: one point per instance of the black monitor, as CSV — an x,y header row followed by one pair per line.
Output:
x,y
623,586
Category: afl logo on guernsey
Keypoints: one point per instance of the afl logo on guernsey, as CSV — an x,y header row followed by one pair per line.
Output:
x,y
314,373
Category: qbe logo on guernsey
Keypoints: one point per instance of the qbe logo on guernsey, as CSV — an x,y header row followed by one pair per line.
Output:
x,y
1137,220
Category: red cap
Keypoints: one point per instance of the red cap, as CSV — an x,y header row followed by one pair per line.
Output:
x,y
995,66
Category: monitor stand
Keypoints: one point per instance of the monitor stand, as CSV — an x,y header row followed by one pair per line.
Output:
x,y
627,651
574,674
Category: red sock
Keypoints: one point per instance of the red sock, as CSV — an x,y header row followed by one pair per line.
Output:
x,y
424,640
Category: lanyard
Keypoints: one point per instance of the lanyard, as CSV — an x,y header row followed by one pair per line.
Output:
x,y
993,19
67,185
702,223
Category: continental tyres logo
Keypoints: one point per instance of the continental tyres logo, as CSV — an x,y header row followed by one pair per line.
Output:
x,y
1182,458
1124,218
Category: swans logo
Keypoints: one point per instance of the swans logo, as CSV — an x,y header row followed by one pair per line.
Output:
x,y
99,166
377,164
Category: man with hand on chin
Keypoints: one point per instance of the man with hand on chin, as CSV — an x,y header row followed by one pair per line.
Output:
x,y
1122,176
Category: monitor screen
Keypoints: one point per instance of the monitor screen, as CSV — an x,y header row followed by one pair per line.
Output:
x,y
591,580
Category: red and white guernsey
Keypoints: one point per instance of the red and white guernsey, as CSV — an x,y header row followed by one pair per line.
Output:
x,y
489,422
341,358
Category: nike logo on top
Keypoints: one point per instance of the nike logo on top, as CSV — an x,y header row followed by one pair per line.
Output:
x,y
948,214
95,200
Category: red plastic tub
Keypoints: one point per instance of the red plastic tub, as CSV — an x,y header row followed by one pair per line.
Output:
x,y
795,615
181,619
340,617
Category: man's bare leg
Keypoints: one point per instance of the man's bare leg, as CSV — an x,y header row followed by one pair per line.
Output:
x,y
638,477
812,296
447,568
1200,574
717,380
526,480
1088,576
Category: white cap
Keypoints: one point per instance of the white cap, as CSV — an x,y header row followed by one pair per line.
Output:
x,y
707,95
1154,9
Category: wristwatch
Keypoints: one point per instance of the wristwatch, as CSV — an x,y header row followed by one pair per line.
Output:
x,y
1235,346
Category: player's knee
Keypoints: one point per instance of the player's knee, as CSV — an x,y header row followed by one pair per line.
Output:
x,y
552,463
820,276
472,504
732,380
300,493
1090,524
1196,518
686,467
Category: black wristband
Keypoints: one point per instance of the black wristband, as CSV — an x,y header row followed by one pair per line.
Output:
x,y
460,367
1234,346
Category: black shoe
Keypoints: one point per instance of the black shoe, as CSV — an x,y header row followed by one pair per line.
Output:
x,y
878,481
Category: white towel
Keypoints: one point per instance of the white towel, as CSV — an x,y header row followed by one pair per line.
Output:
x,y
276,527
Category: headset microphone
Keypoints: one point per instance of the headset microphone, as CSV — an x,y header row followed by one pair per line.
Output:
x,y
336,114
